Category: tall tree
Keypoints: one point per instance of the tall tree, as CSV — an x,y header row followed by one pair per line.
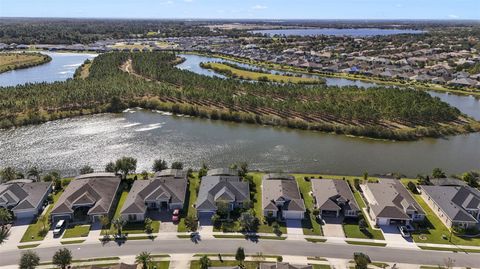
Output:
x,y
86,169
29,260
34,172
118,223
159,165
177,165
126,165
52,176
8,174
144,258
110,167
248,221
438,173
62,258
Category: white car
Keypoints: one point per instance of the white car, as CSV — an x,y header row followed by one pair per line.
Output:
x,y
57,231
404,231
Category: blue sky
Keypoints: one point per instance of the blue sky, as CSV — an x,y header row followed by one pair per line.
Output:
x,y
249,9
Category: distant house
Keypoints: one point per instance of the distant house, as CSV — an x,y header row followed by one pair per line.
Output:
x,y
390,203
281,197
462,82
166,191
87,198
221,186
24,198
456,206
334,198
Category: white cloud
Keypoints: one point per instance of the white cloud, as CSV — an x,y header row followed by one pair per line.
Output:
x,y
452,16
259,7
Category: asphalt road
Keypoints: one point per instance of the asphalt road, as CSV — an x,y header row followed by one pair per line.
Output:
x,y
279,247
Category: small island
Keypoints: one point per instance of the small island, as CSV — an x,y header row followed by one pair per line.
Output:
x,y
14,61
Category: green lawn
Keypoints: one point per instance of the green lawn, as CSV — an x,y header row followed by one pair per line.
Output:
x,y
188,209
436,228
360,243
34,229
451,249
256,191
28,246
77,231
161,264
72,242
309,223
351,228
247,264
316,240
131,227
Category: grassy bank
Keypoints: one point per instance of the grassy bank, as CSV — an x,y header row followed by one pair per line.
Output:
x,y
14,61
233,72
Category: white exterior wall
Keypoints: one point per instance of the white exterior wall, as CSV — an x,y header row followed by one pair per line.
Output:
x,y
382,221
23,214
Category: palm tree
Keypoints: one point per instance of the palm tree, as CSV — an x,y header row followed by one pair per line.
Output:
x,y
7,174
144,258
118,223
205,262
34,172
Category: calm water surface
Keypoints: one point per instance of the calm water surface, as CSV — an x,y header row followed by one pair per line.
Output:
x,y
358,32
60,68
68,144
95,140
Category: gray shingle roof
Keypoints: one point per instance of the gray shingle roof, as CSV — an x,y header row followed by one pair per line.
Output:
x,y
329,193
24,195
175,173
281,189
454,200
161,188
392,200
97,189
217,188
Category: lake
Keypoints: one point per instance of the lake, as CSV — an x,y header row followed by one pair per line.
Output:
x,y
60,68
357,32
68,144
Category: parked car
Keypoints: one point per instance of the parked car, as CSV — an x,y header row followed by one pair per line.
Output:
x,y
57,230
410,228
175,215
404,231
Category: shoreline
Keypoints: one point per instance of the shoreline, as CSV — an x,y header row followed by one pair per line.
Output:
x,y
45,59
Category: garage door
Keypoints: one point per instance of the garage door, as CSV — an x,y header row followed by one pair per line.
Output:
x,y
292,215
205,218
24,214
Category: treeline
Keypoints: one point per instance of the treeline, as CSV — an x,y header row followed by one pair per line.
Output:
x,y
347,110
72,31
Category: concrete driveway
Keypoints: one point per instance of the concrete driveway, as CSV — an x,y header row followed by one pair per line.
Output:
x,y
294,227
394,237
17,230
333,227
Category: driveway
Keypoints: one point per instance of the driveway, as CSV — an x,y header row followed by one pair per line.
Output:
x,y
165,218
17,231
394,238
333,227
294,227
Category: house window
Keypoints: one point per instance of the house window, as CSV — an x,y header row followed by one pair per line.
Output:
x,y
132,217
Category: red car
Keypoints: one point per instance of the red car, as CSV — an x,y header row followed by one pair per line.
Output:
x,y
175,215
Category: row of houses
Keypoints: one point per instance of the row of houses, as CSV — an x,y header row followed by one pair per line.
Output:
x,y
388,202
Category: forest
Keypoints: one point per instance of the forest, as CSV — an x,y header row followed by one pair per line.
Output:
x,y
150,80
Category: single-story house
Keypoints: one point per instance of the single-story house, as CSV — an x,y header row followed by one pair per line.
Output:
x,y
283,265
281,197
166,191
454,205
390,203
87,197
24,198
216,189
334,198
